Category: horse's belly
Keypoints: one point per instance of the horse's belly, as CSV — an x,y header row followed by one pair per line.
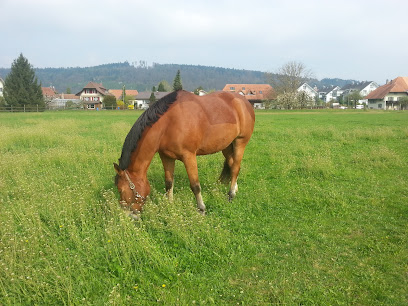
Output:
x,y
217,138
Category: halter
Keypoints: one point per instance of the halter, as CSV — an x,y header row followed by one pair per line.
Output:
x,y
133,187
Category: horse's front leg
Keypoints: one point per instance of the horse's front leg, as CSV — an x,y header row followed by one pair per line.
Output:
x,y
190,162
168,165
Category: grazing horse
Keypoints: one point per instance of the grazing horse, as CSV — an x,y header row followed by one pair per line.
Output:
x,y
181,126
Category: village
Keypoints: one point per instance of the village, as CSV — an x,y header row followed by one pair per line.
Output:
x,y
385,97
94,96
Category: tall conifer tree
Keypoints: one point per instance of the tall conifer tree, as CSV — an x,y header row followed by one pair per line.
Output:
x,y
21,86
177,85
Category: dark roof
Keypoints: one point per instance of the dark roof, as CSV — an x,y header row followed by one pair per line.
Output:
x,y
356,86
145,95
326,89
99,88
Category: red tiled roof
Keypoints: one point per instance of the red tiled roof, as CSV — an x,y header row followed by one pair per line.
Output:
x,y
250,91
399,84
118,92
68,96
48,91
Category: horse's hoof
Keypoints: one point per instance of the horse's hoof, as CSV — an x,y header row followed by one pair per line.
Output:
x,y
202,212
134,215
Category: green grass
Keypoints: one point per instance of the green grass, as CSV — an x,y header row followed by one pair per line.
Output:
x,y
321,216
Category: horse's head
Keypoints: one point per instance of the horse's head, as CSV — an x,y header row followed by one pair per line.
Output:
x,y
133,191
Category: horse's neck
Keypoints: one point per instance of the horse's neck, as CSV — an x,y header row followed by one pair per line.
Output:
x,y
143,155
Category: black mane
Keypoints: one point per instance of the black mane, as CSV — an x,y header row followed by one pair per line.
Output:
x,y
148,118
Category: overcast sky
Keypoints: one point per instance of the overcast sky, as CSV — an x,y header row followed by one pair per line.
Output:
x,y
349,39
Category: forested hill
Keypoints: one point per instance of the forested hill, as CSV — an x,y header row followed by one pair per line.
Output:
x,y
143,77
114,76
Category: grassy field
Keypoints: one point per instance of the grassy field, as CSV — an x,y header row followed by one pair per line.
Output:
x,y
321,216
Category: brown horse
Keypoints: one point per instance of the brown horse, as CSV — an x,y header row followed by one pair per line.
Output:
x,y
181,126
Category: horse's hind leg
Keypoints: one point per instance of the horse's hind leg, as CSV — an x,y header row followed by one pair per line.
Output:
x,y
238,153
225,175
168,165
190,162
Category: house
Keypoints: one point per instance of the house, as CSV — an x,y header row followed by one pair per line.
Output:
x,y
49,93
364,88
330,93
142,100
1,87
202,92
255,93
388,95
309,90
92,95
119,92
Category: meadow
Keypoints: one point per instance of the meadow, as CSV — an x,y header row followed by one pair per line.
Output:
x,y
321,215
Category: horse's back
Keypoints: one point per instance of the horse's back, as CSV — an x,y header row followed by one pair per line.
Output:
x,y
219,107
207,124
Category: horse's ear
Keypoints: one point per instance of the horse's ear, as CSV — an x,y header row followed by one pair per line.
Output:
x,y
117,168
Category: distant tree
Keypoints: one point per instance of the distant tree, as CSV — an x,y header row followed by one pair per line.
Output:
x,y
289,77
109,101
197,90
70,104
2,101
120,104
152,98
287,100
154,89
164,86
304,100
403,102
177,84
21,86
129,99
68,90
354,97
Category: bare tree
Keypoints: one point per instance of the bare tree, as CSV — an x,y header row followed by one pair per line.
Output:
x,y
289,77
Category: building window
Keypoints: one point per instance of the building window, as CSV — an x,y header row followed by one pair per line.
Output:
x,y
243,88
232,88
260,91
91,106
379,105
391,99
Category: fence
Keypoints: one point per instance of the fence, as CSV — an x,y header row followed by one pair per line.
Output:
x,y
22,109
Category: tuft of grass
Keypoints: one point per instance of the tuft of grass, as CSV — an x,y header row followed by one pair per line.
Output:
x,y
320,216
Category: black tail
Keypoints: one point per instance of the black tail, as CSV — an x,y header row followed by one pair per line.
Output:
x,y
225,176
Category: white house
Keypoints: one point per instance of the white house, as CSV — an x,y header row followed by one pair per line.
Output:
x,y
364,88
309,90
330,93
388,95
92,95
